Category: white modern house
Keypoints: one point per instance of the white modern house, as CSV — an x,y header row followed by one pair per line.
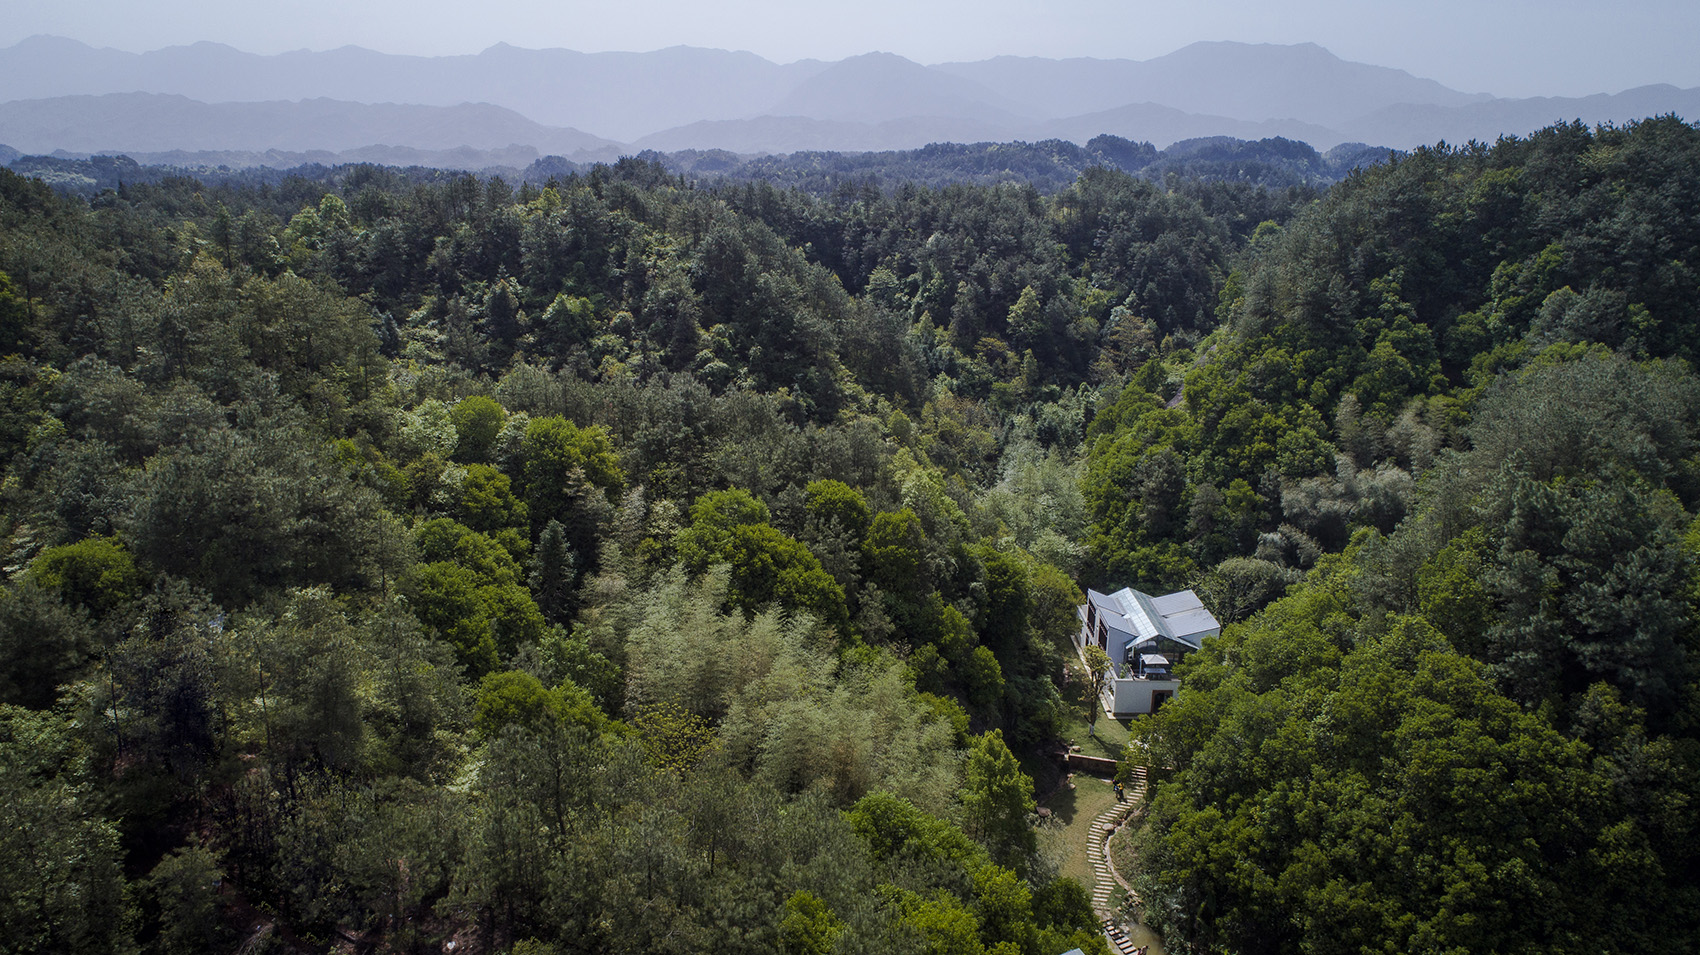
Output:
x,y
1144,637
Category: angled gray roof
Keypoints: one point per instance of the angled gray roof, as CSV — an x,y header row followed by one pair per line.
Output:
x,y
1178,616
1177,602
1104,601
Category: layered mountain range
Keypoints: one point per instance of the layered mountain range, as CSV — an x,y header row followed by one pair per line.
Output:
x,y
64,95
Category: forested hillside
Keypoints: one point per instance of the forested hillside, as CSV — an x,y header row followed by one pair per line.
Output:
x,y
617,564
1048,166
1459,393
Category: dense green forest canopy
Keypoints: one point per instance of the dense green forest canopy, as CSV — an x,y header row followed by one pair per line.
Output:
x,y
613,563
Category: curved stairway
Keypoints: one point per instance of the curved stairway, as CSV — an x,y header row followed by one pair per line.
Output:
x,y
1105,876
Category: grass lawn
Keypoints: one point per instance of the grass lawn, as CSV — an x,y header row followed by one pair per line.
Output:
x,y
1110,734
1107,741
1075,809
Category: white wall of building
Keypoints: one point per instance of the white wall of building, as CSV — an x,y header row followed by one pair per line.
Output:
x,y
1133,697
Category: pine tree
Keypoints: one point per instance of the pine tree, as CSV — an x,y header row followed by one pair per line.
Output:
x,y
552,573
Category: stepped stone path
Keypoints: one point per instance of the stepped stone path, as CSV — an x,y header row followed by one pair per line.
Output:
x,y
1107,878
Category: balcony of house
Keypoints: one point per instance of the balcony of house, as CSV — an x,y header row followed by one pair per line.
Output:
x,y
1140,686
1145,666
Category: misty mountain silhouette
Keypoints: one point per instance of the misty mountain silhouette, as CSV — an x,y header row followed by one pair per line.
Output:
x,y
593,105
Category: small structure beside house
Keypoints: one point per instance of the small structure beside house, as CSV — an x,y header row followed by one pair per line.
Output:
x,y
1144,637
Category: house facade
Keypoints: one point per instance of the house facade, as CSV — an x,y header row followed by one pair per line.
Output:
x,y
1144,637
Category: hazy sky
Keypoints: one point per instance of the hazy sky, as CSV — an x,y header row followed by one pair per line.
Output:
x,y
1506,47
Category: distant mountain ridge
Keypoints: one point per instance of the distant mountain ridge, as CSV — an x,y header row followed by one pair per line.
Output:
x,y
159,122
597,105
1253,82
1486,121
884,87
617,95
